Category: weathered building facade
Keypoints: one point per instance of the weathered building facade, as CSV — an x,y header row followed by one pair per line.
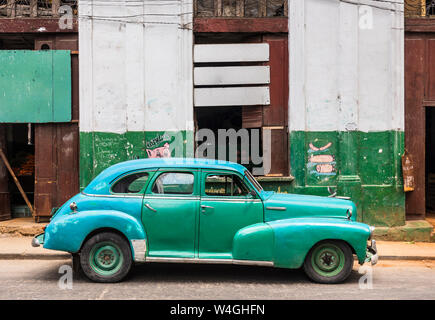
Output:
x,y
326,82
318,85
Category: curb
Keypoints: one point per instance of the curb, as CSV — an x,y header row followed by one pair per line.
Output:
x,y
409,258
34,256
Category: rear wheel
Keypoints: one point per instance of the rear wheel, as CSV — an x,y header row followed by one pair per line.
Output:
x,y
106,257
329,262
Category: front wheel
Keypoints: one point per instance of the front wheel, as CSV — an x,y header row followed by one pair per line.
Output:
x,y
106,257
329,262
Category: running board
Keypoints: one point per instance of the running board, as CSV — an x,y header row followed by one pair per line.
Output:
x,y
210,261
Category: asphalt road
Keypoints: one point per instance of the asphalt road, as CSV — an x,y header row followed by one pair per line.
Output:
x,y
39,279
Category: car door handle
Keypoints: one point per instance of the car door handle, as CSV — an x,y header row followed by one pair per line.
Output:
x,y
149,207
206,207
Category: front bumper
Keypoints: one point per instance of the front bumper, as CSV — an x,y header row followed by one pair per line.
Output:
x,y
372,253
38,240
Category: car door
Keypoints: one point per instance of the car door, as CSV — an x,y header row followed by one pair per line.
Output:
x,y
226,207
169,215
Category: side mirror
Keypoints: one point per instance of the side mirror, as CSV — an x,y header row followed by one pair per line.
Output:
x,y
253,193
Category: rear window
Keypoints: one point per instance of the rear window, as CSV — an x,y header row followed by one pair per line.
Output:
x,y
132,183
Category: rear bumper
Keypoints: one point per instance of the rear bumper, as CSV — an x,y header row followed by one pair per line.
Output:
x,y
38,240
372,253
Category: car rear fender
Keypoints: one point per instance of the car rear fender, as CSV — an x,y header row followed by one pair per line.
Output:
x,y
81,224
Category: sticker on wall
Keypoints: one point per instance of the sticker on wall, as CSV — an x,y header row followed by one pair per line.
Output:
x,y
319,161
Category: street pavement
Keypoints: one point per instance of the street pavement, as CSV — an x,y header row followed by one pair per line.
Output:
x,y
39,279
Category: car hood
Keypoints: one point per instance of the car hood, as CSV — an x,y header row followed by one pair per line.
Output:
x,y
279,206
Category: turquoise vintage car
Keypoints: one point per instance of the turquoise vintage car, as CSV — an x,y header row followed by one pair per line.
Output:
x,y
204,211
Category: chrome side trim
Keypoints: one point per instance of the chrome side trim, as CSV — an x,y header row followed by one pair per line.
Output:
x,y
229,199
113,195
171,197
209,261
277,208
139,249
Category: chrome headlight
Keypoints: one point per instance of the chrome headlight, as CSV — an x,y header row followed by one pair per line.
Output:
x,y
73,207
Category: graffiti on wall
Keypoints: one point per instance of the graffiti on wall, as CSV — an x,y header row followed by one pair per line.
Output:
x,y
167,144
158,147
320,161
160,152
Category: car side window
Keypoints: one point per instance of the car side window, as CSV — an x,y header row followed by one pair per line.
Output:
x,y
225,185
174,183
132,183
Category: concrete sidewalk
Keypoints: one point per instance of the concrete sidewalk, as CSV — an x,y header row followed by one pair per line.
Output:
x,y
21,248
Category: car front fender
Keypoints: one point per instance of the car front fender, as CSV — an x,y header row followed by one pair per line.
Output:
x,y
293,238
68,232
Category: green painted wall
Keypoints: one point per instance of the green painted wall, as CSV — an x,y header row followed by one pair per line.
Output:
x,y
100,150
35,86
365,167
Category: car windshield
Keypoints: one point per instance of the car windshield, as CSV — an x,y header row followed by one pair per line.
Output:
x,y
251,178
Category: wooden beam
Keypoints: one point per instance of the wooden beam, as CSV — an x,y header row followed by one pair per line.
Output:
x,y
5,160
34,25
258,25
419,24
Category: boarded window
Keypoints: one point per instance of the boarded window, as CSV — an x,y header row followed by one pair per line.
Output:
x,y
244,85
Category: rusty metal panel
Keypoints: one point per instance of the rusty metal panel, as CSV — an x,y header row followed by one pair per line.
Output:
x,y
45,169
56,159
430,69
252,117
67,161
279,146
5,202
276,113
415,74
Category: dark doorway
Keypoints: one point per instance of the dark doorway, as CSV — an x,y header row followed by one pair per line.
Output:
x,y
21,156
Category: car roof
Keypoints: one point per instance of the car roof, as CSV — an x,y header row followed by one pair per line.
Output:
x,y
101,184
